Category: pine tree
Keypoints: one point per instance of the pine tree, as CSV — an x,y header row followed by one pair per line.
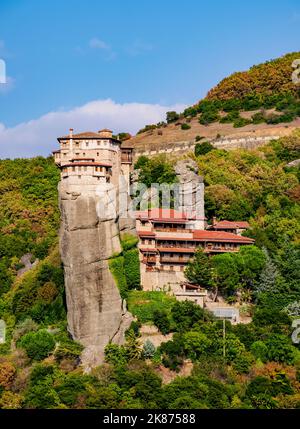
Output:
x,y
198,270
149,349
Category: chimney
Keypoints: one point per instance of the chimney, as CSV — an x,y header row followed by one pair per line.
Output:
x,y
71,132
214,220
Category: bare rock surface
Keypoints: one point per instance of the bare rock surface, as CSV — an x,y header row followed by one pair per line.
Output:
x,y
27,263
88,238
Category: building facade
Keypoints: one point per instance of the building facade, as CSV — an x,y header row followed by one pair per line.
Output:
x,y
92,158
168,240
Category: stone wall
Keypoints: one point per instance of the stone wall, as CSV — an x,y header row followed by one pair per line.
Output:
x,y
227,143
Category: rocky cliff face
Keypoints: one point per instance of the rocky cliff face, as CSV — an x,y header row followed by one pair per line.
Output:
x,y
96,313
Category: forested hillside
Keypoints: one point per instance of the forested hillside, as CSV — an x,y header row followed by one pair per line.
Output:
x,y
39,363
263,100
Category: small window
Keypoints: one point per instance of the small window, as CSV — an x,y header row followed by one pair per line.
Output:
x,y
87,144
79,177
97,153
85,168
73,168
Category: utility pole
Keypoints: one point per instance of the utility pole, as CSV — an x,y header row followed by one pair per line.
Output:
x,y
224,338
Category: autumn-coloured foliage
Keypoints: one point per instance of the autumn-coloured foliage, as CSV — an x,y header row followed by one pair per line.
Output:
x,y
271,77
7,374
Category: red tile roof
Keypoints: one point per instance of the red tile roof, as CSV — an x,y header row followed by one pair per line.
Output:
x,y
146,233
220,236
204,236
88,135
227,224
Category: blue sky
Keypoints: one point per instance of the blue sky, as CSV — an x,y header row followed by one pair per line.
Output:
x,y
63,58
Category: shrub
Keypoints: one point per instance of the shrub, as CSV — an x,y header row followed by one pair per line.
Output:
x,y
258,118
185,126
132,269
47,292
172,116
116,266
10,400
209,117
280,349
24,327
260,350
143,304
161,320
141,162
38,345
148,349
7,374
128,241
196,344
172,353
115,354
203,148
185,314
241,122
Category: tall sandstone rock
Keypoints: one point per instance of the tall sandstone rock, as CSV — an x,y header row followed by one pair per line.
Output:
x,y
96,313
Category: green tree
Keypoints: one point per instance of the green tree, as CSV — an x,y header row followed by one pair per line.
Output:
x,y
172,116
280,349
38,345
198,270
225,273
161,320
186,313
196,344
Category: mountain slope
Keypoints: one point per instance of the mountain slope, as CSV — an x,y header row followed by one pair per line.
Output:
x,y
262,101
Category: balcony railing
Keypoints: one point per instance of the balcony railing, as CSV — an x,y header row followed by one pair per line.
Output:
x,y
149,260
174,260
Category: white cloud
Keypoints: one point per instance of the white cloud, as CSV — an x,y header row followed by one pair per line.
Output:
x,y
138,48
38,136
98,44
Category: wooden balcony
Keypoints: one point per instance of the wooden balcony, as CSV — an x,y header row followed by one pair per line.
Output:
x,y
149,260
126,158
174,260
